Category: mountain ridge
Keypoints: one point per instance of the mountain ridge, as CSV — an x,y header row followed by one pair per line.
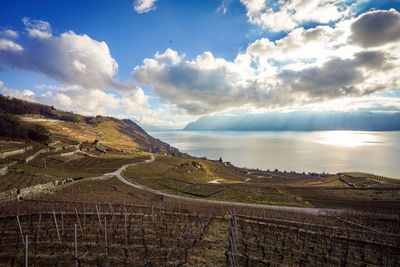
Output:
x,y
299,121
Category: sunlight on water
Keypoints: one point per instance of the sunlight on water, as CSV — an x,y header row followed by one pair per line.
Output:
x,y
348,139
333,151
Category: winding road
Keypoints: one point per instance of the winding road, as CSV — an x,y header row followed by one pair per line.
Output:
x,y
119,174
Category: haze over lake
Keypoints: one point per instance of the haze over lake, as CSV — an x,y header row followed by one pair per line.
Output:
x,y
329,151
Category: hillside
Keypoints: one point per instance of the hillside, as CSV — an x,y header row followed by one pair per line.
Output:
x,y
32,121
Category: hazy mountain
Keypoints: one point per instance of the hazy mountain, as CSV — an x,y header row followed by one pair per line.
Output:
x,y
300,121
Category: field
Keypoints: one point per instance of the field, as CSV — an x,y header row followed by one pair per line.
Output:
x,y
49,167
105,131
137,228
103,221
195,178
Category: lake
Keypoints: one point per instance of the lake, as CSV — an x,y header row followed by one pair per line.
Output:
x,y
325,151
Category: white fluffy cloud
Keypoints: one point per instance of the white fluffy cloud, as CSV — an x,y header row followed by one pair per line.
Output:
x,y
83,101
69,58
86,102
306,66
21,94
144,6
9,46
287,15
199,86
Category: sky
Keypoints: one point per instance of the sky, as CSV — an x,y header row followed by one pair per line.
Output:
x,y
168,62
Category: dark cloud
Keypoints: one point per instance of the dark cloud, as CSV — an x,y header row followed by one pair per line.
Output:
x,y
313,34
376,28
371,59
337,77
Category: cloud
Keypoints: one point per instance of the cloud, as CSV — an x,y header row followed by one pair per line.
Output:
x,y
198,86
7,33
37,28
223,7
135,100
287,15
374,102
9,46
21,94
86,102
338,77
376,28
81,100
307,66
144,6
69,58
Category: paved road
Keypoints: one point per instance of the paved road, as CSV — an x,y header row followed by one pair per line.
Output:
x,y
119,174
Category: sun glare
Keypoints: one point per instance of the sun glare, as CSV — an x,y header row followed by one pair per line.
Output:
x,y
348,139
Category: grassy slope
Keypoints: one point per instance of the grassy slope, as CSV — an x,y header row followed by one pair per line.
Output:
x,y
106,131
112,132
180,176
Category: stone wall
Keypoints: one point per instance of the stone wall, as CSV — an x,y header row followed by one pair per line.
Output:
x,y
31,190
67,154
40,151
4,168
15,152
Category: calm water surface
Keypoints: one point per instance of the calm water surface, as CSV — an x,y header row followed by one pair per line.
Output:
x,y
329,151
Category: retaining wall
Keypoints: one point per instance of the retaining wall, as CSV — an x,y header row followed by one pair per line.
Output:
x,y
15,152
67,154
40,151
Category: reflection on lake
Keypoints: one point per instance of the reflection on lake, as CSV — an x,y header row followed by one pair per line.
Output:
x,y
329,151
348,138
